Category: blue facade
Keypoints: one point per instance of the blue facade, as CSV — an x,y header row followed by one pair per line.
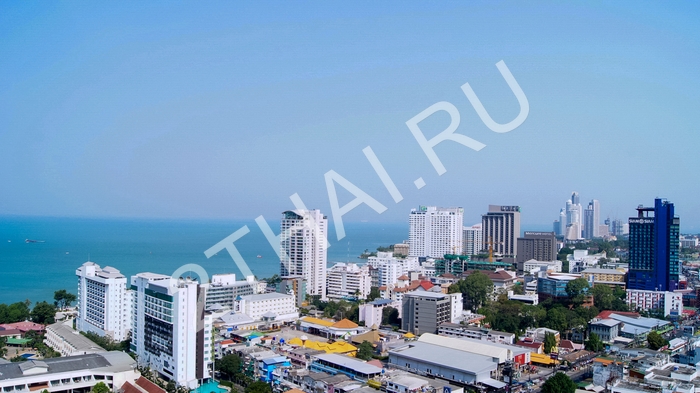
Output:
x,y
653,251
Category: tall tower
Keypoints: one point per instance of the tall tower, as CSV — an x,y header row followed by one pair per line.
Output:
x,y
104,303
303,248
654,238
435,231
169,334
501,226
588,222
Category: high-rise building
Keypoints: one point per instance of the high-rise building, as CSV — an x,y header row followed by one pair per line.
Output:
x,y
540,246
104,303
588,222
223,290
171,334
348,280
653,248
389,268
501,226
473,239
435,231
591,220
303,248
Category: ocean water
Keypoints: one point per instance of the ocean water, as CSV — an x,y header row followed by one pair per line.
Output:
x,y
35,270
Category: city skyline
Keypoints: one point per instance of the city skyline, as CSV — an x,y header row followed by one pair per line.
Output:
x,y
195,112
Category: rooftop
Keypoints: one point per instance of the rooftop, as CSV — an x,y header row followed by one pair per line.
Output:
x,y
446,357
74,338
108,361
350,363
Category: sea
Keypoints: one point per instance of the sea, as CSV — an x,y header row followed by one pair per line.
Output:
x,y
58,246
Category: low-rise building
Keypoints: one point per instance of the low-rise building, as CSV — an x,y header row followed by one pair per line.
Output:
x,y
456,330
67,341
607,329
610,277
339,364
671,303
72,374
372,313
274,309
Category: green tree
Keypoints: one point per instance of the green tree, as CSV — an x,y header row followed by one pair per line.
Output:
x,y
229,365
576,290
365,350
594,344
63,299
373,294
602,296
258,387
3,349
656,341
390,316
556,318
171,386
100,387
44,313
550,342
476,290
559,383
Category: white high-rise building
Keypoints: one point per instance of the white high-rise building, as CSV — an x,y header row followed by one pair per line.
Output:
x,y
473,239
303,248
435,231
223,290
171,334
391,268
348,280
104,303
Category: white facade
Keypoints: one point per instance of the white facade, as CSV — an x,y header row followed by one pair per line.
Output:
x,y
62,338
277,307
435,231
170,333
348,280
224,289
71,374
372,313
456,307
104,303
670,302
532,266
473,239
391,268
303,248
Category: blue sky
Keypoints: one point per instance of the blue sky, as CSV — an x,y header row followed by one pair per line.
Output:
x,y
223,110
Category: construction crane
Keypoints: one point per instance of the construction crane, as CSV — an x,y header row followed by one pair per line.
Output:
x,y
490,244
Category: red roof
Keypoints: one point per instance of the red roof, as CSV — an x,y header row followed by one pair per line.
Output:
x,y
227,342
529,344
426,285
403,277
127,387
24,326
606,314
149,386
382,288
9,332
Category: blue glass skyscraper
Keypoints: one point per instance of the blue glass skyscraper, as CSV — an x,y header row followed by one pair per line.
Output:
x,y
654,239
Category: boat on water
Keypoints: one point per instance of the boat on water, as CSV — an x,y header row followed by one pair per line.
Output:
x,y
259,256
33,241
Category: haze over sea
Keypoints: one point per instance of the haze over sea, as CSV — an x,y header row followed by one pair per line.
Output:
x,y
35,270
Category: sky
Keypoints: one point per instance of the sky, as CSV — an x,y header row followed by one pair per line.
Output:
x,y
222,110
